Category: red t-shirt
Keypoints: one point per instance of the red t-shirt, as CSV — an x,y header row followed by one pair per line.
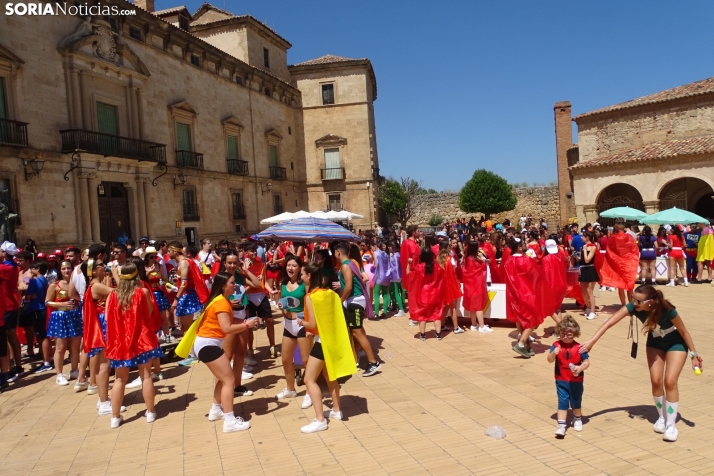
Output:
x,y
569,354
9,274
409,249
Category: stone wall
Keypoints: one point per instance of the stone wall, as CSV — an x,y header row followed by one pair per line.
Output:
x,y
541,202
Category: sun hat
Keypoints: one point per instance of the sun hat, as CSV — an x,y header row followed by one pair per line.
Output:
x,y
551,246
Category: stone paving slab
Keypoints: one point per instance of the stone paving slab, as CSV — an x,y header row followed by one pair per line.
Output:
x,y
425,413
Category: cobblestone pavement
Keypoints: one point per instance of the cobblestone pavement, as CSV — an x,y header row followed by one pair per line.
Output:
x,y
425,413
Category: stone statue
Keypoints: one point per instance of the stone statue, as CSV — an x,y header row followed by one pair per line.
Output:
x,y
84,29
7,218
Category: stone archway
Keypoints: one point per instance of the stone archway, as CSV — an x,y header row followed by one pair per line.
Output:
x,y
688,193
618,195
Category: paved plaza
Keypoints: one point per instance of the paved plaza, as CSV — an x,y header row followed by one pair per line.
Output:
x,y
425,413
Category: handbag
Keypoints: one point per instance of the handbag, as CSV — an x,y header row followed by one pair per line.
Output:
x,y
633,331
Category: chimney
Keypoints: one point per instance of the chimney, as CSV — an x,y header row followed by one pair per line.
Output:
x,y
563,142
147,5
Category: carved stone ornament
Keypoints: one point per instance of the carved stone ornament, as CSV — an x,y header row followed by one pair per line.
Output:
x,y
104,47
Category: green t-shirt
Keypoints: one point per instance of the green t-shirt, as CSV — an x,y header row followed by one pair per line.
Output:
x,y
665,320
356,288
298,293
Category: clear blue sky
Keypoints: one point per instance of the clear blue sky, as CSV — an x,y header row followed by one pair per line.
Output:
x,y
468,85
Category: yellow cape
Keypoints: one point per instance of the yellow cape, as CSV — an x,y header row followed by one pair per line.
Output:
x,y
334,336
186,344
705,248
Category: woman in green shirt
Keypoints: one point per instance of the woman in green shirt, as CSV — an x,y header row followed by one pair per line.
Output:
x,y
668,342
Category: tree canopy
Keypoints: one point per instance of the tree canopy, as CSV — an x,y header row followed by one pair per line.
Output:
x,y
396,197
486,193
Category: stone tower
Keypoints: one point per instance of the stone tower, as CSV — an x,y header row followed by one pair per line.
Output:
x,y
563,142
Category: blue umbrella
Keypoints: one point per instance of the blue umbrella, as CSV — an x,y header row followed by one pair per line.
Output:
x,y
308,229
626,213
673,216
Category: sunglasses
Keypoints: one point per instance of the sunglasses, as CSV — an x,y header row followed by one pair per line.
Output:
x,y
638,302
567,333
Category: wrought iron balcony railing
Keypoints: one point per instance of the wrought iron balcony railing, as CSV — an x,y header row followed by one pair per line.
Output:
x,y
13,133
278,173
237,167
190,159
111,145
333,173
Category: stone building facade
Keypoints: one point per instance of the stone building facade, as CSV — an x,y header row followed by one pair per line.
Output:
x,y
651,153
540,202
163,123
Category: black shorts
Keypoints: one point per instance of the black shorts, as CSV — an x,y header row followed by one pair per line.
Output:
x,y
3,342
39,323
210,353
17,318
316,352
301,333
354,315
588,274
263,310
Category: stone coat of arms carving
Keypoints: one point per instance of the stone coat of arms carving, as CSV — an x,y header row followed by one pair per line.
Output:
x,y
105,47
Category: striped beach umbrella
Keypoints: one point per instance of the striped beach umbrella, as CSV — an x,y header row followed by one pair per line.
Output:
x,y
316,230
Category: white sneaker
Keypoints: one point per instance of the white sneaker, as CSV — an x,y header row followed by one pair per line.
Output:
x,y
670,284
560,431
215,415
306,402
335,415
80,386
591,316
136,383
578,425
315,426
587,311
411,323
671,433
286,394
92,390
105,408
150,416
659,426
74,374
686,283
458,330
237,424
485,329
246,375
250,361
61,380
156,377
475,329
116,422
401,313
248,368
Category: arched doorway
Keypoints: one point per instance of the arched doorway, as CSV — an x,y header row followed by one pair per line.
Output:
x,y
688,193
618,195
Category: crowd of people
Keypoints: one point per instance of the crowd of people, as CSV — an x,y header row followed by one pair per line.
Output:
x,y
112,307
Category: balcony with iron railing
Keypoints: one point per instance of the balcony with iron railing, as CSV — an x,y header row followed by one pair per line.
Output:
x,y
190,159
278,173
190,212
237,167
337,173
13,133
238,211
110,145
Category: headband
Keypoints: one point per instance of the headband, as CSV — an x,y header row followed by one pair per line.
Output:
x,y
174,248
517,240
90,266
127,277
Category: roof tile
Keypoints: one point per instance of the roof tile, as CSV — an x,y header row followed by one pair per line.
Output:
x,y
327,59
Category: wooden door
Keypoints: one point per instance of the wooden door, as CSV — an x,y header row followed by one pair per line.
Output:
x,y
113,211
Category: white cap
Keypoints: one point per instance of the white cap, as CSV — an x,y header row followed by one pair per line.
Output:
x,y
551,246
9,248
596,224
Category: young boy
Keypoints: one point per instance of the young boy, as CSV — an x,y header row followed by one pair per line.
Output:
x,y
37,312
569,367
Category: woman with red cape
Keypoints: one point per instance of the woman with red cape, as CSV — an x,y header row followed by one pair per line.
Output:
x,y
619,269
489,248
425,285
131,339
523,302
554,284
452,288
475,290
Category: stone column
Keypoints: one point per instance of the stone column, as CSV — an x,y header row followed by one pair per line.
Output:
x,y
76,99
140,111
131,112
84,204
141,205
147,206
133,208
651,207
86,115
92,183
590,212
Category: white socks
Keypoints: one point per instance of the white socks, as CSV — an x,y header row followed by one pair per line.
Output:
x,y
216,407
670,412
228,417
659,404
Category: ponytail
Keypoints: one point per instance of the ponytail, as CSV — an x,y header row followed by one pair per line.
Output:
x,y
659,303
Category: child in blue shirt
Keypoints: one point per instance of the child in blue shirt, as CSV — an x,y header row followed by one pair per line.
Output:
x,y
35,297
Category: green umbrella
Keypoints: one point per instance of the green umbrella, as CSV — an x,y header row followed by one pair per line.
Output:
x,y
626,213
673,216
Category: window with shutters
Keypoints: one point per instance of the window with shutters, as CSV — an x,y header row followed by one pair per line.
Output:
x,y
273,155
238,208
232,147
190,204
108,123
328,94
277,205
333,169
183,136
266,58
335,201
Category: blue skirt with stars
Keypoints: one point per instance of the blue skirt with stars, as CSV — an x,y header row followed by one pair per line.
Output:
x,y
65,324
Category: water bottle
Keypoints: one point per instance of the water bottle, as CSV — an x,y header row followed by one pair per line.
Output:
x,y
572,368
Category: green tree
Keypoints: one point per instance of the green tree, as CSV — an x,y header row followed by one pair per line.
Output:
x,y
396,198
486,193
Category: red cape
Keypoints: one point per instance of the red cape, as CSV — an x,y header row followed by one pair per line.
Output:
x,y
504,259
492,263
93,335
452,287
426,293
523,302
621,260
156,322
554,284
475,290
129,332
198,281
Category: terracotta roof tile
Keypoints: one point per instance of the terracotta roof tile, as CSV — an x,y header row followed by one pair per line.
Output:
x,y
171,10
659,150
704,86
327,59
